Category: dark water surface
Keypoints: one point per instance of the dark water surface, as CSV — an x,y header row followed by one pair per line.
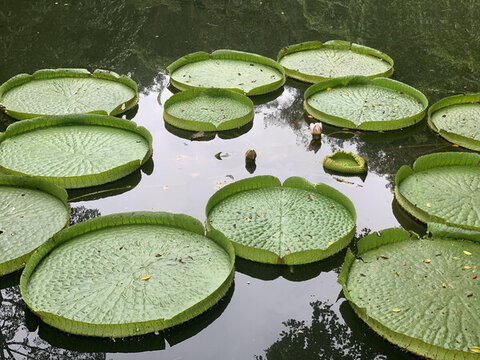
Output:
x,y
270,312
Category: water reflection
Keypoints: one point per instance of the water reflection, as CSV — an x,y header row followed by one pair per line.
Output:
x,y
327,337
407,221
208,135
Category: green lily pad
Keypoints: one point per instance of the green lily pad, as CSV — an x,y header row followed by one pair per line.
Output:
x,y
420,294
31,212
315,61
457,119
442,188
357,102
67,91
345,162
74,150
208,110
127,274
294,223
227,69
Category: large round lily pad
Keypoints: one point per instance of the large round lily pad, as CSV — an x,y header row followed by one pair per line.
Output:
x,y
345,162
315,61
228,69
457,119
31,212
127,274
74,150
208,110
421,294
294,223
357,102
67,91
443,188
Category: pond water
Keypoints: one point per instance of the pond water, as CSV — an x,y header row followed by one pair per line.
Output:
x,y
271,312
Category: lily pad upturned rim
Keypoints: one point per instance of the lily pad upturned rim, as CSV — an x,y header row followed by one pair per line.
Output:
x,y
21,79
330,163
193,125
233,55
367,125
180,221
426,162
451,136
39,185
81,119
266,181
332,44
414,345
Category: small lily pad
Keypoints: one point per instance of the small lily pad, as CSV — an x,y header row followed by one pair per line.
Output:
x,y
457,119
31,212
67,91
345,162
127,274
208,110
357,102
414,310
74,151
315,61
227,69
294,223
442,188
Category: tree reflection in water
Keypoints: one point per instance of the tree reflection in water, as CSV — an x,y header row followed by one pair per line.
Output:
x,y
327,337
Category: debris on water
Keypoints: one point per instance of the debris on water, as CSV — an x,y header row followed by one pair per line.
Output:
x,y
197,135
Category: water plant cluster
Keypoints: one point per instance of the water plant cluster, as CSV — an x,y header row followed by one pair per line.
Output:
x,y
134,273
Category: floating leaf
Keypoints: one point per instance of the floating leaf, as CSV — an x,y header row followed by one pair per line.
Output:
x,y
420,289
456,119
334,108
231,70
81,267
295,229
67,91
74,150
431,181
345,162
227,110
315,61
31,212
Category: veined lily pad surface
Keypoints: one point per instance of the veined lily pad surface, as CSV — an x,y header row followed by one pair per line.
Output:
x,y
67,91
457,119
315,61
236,70
208,110
294,223
74,150
31,212
345,162
127,274
421,294
443,188
357,102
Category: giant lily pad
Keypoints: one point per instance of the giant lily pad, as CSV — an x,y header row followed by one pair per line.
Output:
x,y
457,119
67,91
74,150
208,110
442,188
315,61
294,223
357,102
31,212
228,69
127,274
345,162
421,294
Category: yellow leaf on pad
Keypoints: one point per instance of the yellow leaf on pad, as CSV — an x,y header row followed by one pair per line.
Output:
x,y
396,310
467,252
475,349
146,277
